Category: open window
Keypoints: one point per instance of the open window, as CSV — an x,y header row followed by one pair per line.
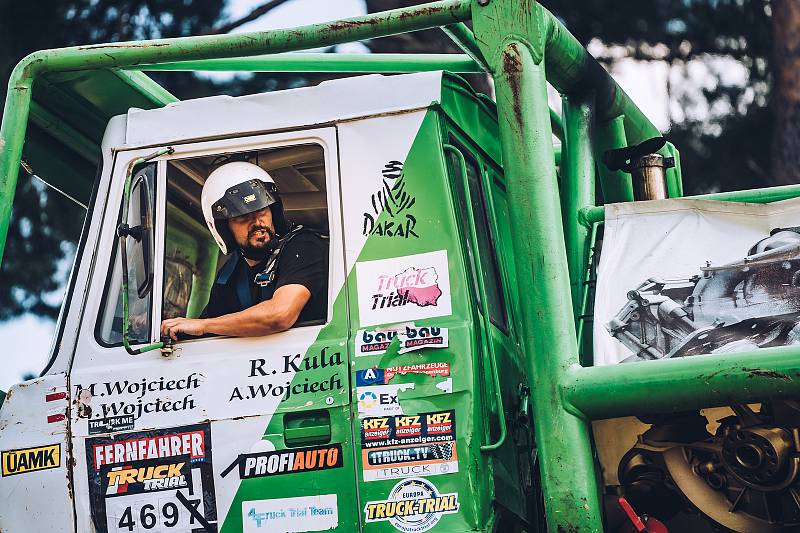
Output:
x,y
192,258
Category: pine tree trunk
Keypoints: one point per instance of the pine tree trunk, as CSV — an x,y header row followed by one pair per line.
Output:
x,y
786,91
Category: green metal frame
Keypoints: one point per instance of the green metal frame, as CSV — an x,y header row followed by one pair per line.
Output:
x,y
522,46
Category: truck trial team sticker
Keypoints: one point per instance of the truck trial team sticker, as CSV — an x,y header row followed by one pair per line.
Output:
x,y
302,513
408,446
159,480
414,505
403,288
31,459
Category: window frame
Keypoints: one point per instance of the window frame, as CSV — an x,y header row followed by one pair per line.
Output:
x,y
324,136
488,215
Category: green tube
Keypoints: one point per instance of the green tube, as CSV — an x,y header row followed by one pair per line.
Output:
x,y
465,39
326,63
577,177
617,186
687,383
547,329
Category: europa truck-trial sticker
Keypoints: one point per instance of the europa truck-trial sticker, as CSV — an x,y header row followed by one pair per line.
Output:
x,y
31,459
414,505
160,480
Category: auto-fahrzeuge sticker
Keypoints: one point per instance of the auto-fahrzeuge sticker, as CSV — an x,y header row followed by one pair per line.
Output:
x,y
403,288
292,461
159,480
30,459
302,513
413,505
409,337
409,446
382,376
380,400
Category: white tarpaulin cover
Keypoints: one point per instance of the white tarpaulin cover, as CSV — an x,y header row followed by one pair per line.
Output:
x,y
689,277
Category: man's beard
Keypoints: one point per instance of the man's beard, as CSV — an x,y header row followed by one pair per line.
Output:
x,y
257,252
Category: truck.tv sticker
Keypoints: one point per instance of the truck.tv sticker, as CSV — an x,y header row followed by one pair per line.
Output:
x,y
410,338
152,480
403,288
413,505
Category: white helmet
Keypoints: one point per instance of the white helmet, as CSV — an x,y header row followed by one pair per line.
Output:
x,y
236,189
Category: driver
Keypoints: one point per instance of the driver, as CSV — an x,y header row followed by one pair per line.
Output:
x,y
277,273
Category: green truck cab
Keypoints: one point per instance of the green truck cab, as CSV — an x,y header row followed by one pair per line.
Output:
x,y
452,384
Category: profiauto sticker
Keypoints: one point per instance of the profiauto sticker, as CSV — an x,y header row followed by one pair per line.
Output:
x,y
293,461
414,505
410,337
31,459
304,513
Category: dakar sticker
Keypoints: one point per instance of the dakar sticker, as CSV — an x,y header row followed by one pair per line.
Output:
x,y
380,400
395,203
31,459
403,288
303,513
413,505
291,461
411,338
160,479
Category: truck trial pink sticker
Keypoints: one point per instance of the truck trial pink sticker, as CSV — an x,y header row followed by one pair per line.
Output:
x,y
403,288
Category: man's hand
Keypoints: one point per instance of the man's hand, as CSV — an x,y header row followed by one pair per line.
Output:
x,y
189,326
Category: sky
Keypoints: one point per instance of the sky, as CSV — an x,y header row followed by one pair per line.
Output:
x,y
27,339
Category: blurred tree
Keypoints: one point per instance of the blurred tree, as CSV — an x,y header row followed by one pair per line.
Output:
x,y
725,137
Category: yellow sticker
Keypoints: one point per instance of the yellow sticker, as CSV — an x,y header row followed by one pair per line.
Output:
x,y
31,459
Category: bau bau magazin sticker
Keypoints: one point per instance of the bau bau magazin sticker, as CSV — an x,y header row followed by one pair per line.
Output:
x,y
293,461
410,338
409,445
403,288
152,480
31,459
414,505
304,513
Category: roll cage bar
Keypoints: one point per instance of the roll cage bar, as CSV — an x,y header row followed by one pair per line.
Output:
x,y
522,46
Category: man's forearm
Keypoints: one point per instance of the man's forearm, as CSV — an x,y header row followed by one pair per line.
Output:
x,y
264,318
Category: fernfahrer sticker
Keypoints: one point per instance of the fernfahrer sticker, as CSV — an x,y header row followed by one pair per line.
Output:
x,y
413,505
403,288
160,480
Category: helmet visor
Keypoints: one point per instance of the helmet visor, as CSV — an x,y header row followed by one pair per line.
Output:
x,y
243,199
